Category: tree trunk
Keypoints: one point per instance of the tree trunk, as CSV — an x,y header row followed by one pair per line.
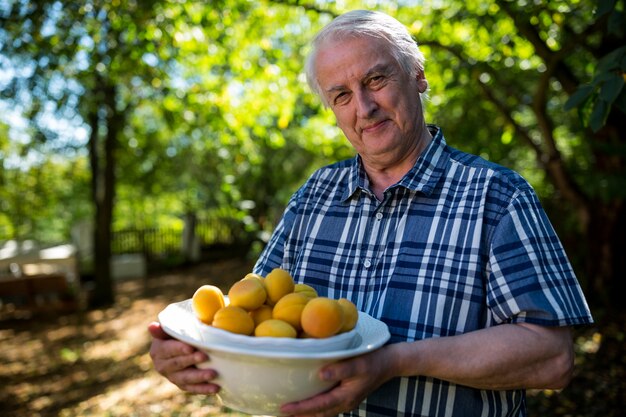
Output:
x,y
606,235
102,156
190,245
600,207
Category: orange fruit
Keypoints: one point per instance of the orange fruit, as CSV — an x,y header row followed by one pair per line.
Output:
x,y
289,308
278,283
306,290
206,301
234,319
322,317
248,294
275,328
261,314
252,275
350,314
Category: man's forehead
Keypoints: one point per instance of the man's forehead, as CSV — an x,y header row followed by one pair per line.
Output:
x,y
360,63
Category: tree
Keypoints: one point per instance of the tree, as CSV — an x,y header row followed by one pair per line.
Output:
x,y
507,70
158,104
83,60
202,109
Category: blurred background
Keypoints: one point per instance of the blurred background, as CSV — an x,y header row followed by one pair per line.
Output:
x,y
148,147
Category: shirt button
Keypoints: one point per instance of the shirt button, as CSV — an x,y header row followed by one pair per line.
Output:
x,y
367,263
379,216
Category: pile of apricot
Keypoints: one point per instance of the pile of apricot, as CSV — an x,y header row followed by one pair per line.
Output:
x,y
274,306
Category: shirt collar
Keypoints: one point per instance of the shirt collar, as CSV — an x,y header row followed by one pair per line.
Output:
x,y
422,178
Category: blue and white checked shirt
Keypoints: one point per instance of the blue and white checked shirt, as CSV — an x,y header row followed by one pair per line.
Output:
x,y
459,244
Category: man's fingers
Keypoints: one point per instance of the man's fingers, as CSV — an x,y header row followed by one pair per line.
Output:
x,y
206,389
172,356
345,369
157,332
193,376
176,361
165,349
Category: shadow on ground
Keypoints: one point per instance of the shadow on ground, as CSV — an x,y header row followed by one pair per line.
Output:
x,y
96,363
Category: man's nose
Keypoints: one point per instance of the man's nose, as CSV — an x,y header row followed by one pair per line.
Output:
x,y
365,104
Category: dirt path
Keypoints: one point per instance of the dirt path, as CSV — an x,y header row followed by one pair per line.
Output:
x,y
96,363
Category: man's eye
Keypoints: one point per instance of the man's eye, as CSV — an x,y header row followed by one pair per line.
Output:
x,y
341,98
376,80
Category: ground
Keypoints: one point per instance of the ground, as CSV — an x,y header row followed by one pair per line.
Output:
x,y
96,362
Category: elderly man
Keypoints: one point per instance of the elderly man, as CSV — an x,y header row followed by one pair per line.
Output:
x,y
453,252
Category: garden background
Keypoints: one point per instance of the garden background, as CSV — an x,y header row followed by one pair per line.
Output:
x,y
127,117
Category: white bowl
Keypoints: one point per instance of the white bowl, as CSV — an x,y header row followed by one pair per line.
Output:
x,y
212,335
259,380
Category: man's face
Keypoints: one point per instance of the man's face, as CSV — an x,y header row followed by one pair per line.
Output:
x,y
376,103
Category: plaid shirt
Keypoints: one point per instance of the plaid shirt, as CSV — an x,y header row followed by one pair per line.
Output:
x,y
459,244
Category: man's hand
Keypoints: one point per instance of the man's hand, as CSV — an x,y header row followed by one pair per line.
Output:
x,y
176,361
356,377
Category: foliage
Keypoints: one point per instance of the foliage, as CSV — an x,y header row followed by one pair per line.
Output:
x,y
212,115
39,200
204,126
606,89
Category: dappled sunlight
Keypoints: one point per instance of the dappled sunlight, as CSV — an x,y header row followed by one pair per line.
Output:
x,y
148,395
599,383
96,362
589,344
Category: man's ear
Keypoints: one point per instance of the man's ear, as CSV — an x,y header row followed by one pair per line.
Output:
x,y
422,83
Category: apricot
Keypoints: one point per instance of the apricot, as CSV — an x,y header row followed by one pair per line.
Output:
x,y
248,294
322,317
306,290
206,301
289,308
275,328
350,314
278,283
261,314
252,275
234,319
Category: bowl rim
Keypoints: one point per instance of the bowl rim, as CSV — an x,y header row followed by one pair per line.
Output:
x,y
178,321
264,342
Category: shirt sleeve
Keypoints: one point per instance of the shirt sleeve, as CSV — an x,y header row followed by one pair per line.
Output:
x,y
530,278
273,254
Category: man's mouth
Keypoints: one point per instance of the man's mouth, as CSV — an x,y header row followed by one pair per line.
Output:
x,y
373,127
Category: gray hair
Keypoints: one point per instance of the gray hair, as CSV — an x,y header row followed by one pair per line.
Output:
x,y
366,23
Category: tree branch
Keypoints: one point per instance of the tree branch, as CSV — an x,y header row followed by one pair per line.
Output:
x,y
546,153
561,71
305,6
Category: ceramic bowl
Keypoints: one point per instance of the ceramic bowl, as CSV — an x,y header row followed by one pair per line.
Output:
x,y
210,335
258,380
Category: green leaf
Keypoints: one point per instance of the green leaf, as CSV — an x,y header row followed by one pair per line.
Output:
x,y
615,25
604,6
599,114
611,61
611,88
620,101
580,96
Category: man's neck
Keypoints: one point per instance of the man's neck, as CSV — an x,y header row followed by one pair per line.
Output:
x,y
382,177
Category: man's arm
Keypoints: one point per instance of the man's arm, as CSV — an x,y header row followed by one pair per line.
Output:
x,y
509,356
